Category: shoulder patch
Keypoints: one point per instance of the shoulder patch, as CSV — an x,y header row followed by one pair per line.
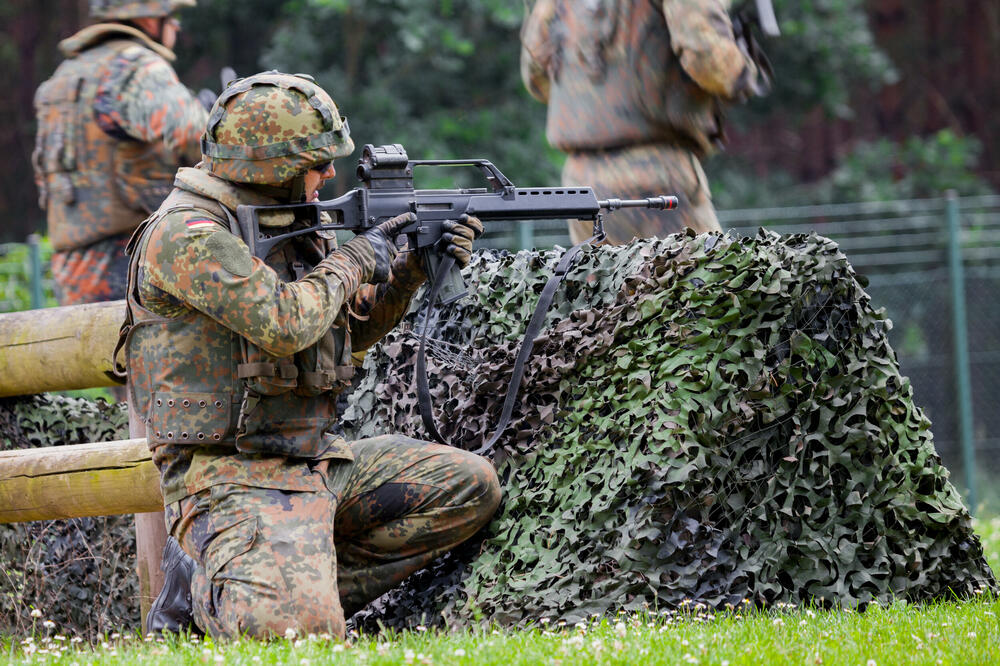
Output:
x,y
200,224
229,252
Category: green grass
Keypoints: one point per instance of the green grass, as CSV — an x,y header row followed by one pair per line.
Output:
x,y
943,633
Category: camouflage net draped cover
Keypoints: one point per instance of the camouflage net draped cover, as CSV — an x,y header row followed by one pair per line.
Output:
x,y
704,418
79,573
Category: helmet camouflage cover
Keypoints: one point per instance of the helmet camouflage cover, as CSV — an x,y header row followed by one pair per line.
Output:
x,y
130,9
270,128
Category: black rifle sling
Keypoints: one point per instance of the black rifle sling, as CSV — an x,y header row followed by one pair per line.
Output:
x,y
527,344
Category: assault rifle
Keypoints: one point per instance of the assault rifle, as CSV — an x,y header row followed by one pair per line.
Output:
x,y
386,175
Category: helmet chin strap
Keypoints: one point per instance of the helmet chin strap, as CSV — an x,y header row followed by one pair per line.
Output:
x,y
298,189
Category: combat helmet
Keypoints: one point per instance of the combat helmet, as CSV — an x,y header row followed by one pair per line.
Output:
x,y
269,129
123,10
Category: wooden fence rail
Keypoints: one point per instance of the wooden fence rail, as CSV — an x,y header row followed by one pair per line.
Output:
x,y
60,349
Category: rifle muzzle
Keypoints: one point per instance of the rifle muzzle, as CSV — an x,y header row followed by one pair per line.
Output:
x,y
657,203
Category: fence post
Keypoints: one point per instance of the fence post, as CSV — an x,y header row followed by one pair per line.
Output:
x,y
526,235
35,258
961,341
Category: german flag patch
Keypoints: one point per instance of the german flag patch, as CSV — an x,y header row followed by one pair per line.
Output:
x,y
200,224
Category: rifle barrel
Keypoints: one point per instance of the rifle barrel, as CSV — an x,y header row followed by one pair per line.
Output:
x,y
658,203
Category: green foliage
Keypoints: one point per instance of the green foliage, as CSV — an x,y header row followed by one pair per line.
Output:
x,y
439,77
882,170
913,169
15,276
825,51
705,418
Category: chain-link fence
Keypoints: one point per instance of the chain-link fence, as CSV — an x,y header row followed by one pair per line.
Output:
x,y
909,251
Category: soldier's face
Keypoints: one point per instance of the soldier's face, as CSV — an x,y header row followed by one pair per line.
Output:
x,y
315,179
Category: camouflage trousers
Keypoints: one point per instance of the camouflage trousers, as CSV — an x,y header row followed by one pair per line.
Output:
x,y
638,172
91,274
270,560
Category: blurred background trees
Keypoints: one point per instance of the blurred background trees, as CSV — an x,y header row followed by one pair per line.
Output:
x,y
875,99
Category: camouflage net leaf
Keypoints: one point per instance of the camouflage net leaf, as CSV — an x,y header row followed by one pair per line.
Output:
x,y
704,418
80,573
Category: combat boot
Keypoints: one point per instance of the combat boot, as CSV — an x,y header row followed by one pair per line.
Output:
x,y
171,611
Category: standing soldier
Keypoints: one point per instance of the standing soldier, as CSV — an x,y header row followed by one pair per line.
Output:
x,y
235,364
635,91
114,123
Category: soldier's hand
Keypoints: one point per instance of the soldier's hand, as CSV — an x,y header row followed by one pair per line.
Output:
x,y
458,237
383,242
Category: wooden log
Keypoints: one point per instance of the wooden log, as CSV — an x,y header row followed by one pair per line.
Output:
x,y
98,479
150,538
58,349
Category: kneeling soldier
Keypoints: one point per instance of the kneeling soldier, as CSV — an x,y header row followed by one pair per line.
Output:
x,y
236,363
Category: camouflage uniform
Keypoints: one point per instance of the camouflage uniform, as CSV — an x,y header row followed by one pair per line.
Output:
x,y
114,123
236,362
634,89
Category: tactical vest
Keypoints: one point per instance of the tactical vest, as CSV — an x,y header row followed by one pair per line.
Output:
x,y
196,382
91,183
614,80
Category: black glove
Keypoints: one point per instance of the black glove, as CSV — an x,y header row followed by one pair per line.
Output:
x,y
458,237
383,242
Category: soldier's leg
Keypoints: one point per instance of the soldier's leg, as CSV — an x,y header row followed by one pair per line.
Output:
x,y
400,504
638,172
266,561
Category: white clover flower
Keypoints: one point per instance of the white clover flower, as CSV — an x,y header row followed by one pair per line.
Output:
x,y
459,652
256,659
778,622
310,637
291,633
621,629
871,662
219,658
35,612
971,634
115,636
339,647
303,662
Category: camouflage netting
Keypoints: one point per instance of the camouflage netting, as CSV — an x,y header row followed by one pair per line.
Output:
x,y
704,418
80,573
